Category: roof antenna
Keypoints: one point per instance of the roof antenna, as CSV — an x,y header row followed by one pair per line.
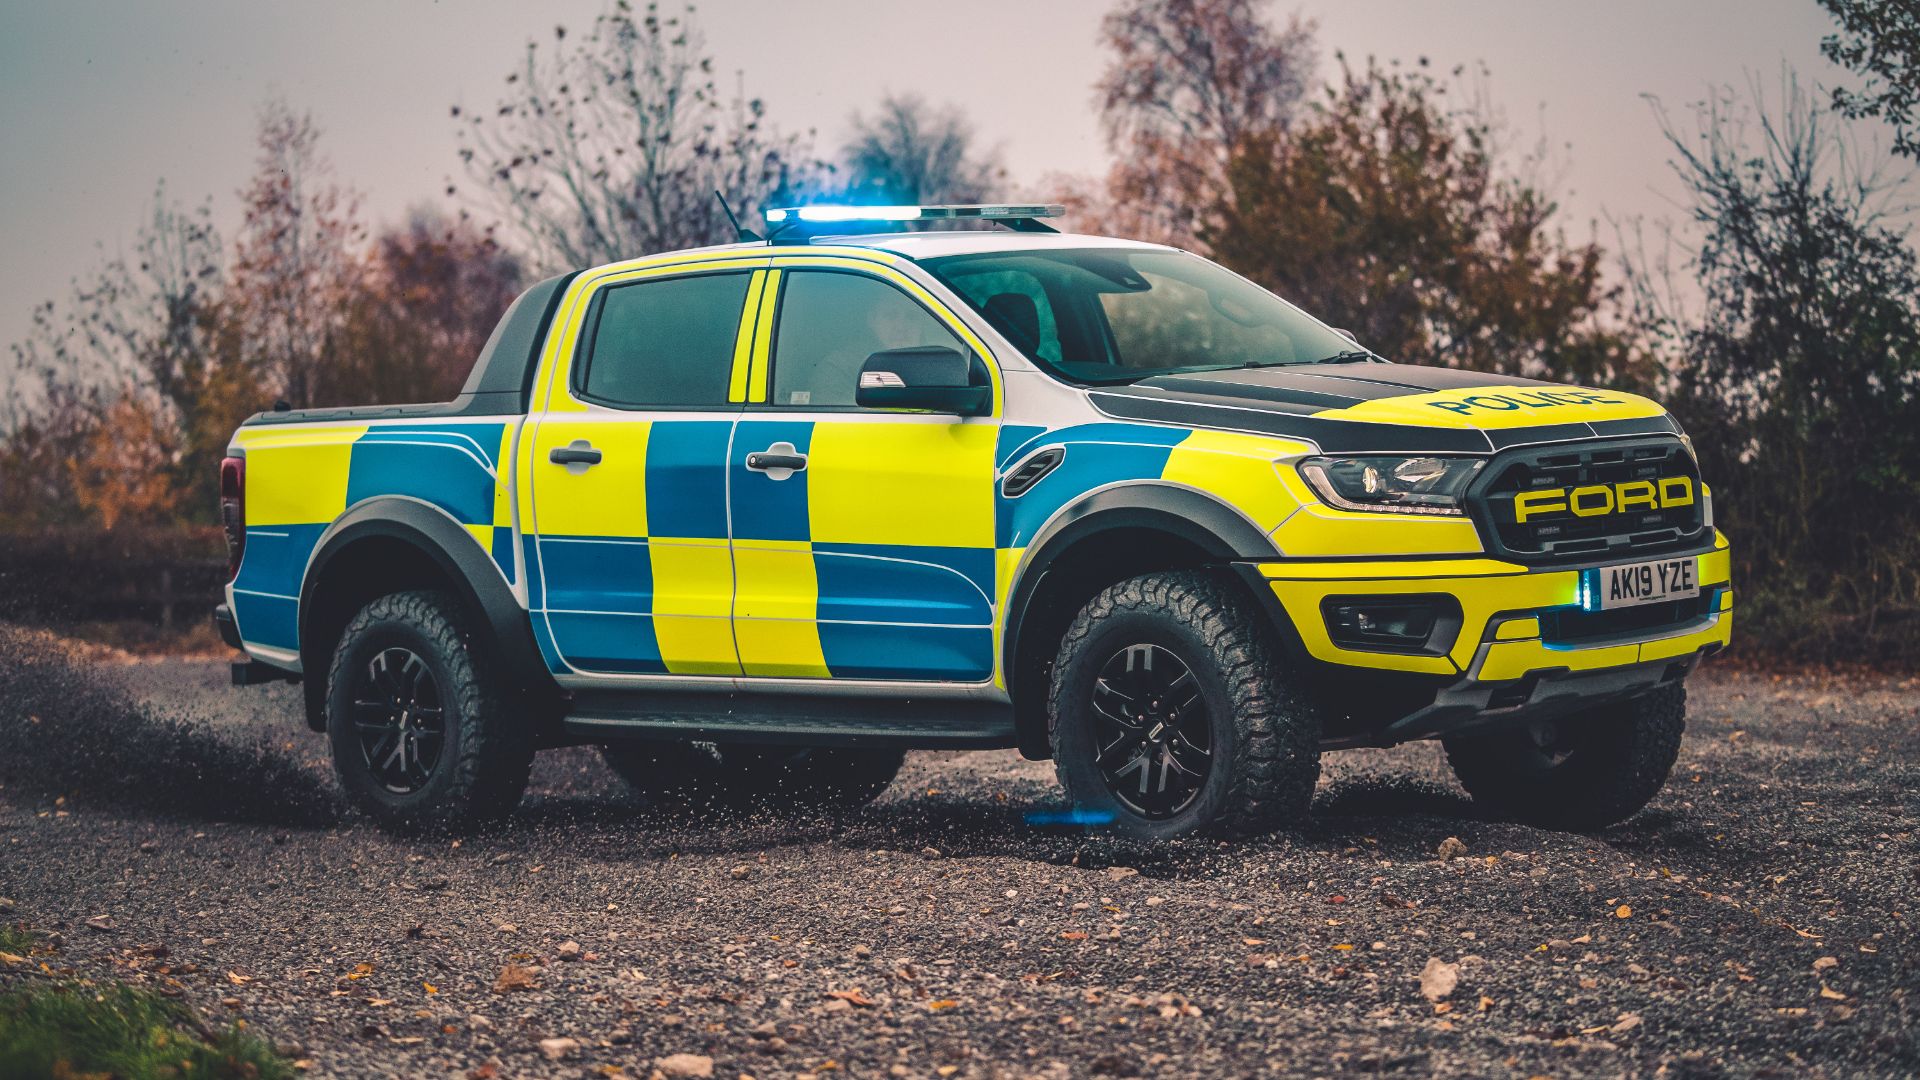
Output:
x,y
744,236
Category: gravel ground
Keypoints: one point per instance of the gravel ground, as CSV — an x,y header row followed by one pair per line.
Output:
x,y
1758,919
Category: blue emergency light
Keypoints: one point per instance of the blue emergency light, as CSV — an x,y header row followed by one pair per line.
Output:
x,y
1019,217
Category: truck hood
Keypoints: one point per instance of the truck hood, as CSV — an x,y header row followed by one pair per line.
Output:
x,y
1388,408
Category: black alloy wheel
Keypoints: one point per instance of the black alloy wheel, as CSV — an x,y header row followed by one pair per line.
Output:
x,y
1152,731
399,719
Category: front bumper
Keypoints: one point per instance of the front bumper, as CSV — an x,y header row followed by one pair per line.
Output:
x,y
1499,660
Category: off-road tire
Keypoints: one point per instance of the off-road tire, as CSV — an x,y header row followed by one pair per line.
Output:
x,y
1264,723
702,776
482,766
1619,759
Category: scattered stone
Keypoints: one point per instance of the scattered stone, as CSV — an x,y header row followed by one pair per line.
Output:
x,y
1451,848
556,1049
741,871
568,950
101,924
930,852
1438,979
1825,962
1626,1023
1121,873
685,1066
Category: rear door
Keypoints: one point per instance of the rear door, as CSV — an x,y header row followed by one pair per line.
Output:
x,y
628,473
863,539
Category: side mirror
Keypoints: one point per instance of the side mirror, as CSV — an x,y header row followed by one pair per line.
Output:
x,y
932,378
1348,334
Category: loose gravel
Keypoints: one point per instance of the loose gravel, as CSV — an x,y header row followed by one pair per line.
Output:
x,y
1757,920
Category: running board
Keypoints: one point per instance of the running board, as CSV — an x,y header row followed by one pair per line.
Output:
x,y
791,720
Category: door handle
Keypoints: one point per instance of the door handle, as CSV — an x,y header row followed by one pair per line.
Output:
x,y
778,461
761,462
578,454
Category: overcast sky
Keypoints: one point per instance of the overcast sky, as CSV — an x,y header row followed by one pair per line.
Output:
x,y
100,100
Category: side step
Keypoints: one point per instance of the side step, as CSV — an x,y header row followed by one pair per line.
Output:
x,y
791,720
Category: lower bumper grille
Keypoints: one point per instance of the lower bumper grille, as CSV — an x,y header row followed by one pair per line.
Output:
x,y
1572,626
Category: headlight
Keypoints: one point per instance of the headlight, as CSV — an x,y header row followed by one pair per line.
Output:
x,y
1392,484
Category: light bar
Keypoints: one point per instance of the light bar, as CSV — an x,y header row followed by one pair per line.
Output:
x,y
789,215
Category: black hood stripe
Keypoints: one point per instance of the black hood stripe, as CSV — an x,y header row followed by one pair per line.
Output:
x,y
1331,436
1316,388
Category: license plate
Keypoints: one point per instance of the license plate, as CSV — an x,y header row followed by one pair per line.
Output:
x,y
1633,584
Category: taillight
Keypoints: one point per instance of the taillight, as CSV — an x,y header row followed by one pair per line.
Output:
x,y
233,511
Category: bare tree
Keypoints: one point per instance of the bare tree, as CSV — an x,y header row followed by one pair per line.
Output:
x,y
1189,82
297,259
1879,39
614,147
909,151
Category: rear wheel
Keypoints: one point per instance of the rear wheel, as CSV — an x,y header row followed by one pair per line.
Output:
x,y
418,728
1173,713
1585,771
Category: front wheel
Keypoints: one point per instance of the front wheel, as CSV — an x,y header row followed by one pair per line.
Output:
x,y
1172,712
1580,772
417,722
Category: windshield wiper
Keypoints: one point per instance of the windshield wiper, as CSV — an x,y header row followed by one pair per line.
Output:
x,y
1347,356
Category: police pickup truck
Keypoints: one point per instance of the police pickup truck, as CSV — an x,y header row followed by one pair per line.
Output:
x,y
758,518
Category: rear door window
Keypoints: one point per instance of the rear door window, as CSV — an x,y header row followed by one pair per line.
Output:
x,y
663,344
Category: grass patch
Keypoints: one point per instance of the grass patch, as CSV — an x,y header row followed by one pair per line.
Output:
x,y
16,939
70,1029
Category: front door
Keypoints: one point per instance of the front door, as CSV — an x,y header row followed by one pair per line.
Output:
x,y
629,474
863,540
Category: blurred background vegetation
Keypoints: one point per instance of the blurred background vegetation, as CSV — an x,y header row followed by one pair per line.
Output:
x,y
1778,315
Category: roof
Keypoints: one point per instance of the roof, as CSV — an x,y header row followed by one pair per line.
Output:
x,y
933,245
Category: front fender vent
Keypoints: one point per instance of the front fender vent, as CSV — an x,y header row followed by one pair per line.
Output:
x,y
1029,472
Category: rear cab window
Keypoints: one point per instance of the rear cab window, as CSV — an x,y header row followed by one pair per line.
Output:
x,y
662,344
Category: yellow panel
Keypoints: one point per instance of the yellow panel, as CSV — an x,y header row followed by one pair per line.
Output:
x,y
1719,633
1500,407
901,482
1480,599
1239,469
1321,531
609,499
774,609
743,339
763,337
1715,567
503,485
1006,562
692,578
297,476
1388,569
696,644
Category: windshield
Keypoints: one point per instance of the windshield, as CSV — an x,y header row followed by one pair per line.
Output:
x,y
1108,315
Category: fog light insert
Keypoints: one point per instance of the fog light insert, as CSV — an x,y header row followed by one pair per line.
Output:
x,y
1423,625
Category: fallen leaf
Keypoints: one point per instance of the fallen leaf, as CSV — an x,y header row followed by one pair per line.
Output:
x,y
360,971
1626,1023
1438,978
851,997
942,1003
514,977
1074,935
1831,994
238,979
430,988
1825,962
1623,912
1343,947
12,958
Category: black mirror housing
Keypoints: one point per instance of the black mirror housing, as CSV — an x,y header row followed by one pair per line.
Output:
x,y
931,378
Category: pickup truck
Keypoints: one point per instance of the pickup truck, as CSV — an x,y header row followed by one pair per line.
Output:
x,y
758,518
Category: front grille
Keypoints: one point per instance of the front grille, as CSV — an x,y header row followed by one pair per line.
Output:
x,y
1572,626
1570,478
